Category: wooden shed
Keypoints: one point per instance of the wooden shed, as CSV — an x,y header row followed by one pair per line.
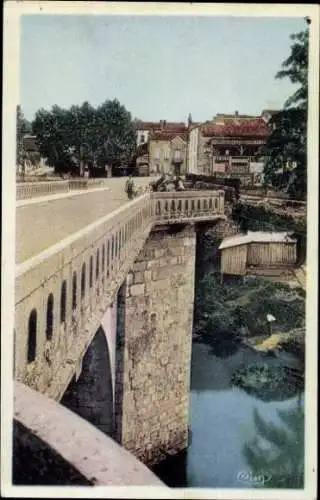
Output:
x,y
257,250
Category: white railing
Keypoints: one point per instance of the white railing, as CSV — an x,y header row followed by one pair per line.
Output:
x,y
33,189
62,293
29,190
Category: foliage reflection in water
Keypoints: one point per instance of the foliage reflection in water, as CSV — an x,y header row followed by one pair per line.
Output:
x,y
237,440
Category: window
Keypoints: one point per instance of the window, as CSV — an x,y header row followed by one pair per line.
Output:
x,y
49,328
32,336
177,154
157,154
142,138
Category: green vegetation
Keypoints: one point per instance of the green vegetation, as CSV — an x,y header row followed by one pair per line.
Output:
x,y
70,138
23,127
239,308
286,148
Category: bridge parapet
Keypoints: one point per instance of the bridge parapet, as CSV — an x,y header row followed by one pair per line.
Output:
x,y
191,206
27,190
62,293
76,452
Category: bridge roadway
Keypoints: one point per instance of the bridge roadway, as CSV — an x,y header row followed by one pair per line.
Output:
x,y
41,225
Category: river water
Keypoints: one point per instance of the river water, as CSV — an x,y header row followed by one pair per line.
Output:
x,y
222,426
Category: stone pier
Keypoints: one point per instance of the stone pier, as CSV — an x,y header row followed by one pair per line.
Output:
x,y
155,316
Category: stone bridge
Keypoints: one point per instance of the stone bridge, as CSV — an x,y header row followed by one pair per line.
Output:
x,y
103,320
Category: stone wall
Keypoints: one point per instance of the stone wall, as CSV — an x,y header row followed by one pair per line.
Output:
x,y
154,346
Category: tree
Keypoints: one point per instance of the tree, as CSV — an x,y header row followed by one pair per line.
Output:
x,y
286,148
117,133
81,135
22,128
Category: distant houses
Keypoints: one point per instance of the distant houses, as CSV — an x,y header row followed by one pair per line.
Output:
x,y
229,146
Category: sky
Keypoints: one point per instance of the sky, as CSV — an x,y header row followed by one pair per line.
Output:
x,y
157,67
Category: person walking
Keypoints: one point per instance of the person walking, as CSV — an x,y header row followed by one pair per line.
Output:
x,y
129,188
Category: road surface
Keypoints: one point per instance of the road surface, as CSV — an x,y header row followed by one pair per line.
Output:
x,y
41,225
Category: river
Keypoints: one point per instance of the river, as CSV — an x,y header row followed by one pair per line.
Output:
x,y
225,437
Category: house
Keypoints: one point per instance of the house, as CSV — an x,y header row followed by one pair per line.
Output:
x,y
246,253
145,128
168,152
227,146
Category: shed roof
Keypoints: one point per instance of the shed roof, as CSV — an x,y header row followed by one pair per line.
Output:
x,y
257,237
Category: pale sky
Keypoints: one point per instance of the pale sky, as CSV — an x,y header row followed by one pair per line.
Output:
x,y
157,67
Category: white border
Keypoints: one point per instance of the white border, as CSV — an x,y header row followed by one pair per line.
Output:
x,y
12,13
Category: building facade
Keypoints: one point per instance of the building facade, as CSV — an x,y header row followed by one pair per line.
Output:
x,y
168,153
230,146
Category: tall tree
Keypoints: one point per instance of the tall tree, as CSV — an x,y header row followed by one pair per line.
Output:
x,y
85,135
23,127
286,148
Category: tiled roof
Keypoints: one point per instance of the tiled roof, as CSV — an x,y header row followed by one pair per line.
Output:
x,y
167,135
237,128
256,237
161,125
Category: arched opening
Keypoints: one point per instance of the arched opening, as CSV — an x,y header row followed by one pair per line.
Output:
x,y
205,205
158,208
32,336
193,205
49,326
173,206
112,248
63,301
116,246
108,257
199,205
83,281
186,205
74,291
210,204
97,264
103,258
91,272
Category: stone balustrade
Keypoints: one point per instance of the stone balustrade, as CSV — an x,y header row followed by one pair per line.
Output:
x,y
29,190
179,206
62,293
